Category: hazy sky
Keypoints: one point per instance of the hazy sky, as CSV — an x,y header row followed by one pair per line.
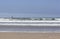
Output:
x,y
30,8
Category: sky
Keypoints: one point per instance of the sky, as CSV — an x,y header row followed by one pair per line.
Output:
x,y
30,8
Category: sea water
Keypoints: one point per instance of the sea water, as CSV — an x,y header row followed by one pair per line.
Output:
x,y
15,28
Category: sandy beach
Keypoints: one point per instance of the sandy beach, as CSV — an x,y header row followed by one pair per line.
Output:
x,y
19,35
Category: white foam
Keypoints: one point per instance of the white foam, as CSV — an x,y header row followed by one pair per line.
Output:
x,y
31,31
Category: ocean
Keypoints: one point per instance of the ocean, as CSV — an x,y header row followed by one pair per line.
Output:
x,y
15,28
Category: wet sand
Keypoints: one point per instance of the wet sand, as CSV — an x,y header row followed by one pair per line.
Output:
x,y
20,35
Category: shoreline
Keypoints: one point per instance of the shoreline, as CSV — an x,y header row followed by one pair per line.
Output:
x,y
26,32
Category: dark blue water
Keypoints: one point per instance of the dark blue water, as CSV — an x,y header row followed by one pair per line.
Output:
x,y
30,28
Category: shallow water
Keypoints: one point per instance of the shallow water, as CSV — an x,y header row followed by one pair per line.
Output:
x,y
30,28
